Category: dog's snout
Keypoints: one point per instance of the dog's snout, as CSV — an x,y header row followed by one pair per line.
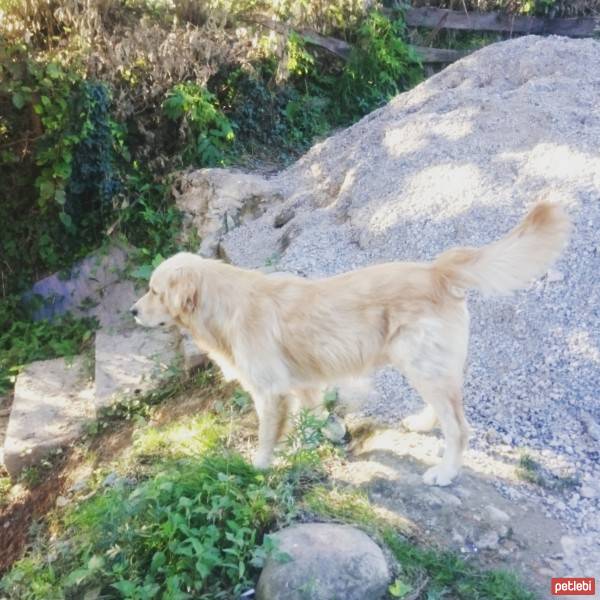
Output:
x,y
134,311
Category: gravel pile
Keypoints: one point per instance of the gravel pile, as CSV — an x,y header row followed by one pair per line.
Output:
x,y
457,161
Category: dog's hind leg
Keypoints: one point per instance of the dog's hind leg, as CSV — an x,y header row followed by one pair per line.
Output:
x,y
426,420
272,414
445,397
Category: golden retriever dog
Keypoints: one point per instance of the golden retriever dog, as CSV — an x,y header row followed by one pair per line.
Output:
x,y
285,338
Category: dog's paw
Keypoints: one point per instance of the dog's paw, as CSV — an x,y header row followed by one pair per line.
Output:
x,y
262,460
421,422
441,475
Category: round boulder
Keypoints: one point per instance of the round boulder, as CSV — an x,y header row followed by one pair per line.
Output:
x,y
326,562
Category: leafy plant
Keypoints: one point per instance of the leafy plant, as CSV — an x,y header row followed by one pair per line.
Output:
x,y
24,340
5,486
380,65
207,131
193,530
93,181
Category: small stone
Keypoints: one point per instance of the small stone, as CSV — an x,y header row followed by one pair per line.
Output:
x,y
447,498
230,222
492,436
458,538
335,429
61,501
110,480
497,514
324,561
588,491
79,485
283,217
488,541
569,545
591,426
554,276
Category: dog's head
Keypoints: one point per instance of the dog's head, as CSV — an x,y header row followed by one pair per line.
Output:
x,y
173,292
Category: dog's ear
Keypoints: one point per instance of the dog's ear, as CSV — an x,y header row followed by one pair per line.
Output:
x,y
182,294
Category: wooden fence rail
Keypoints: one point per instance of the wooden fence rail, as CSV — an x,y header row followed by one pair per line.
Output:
x,y
342,49
441,18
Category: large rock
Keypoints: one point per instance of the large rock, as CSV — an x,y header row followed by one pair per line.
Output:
x,y
92,287
53,399
215,201
327,562
133,362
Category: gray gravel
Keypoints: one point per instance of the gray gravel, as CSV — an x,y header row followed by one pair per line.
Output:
x,y
458,160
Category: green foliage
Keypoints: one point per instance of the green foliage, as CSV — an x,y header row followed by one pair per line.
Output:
x,y
380,65
23,340
529,469
539,7
195,529
5,486
93,181
192,437
445,573
450,576
208,133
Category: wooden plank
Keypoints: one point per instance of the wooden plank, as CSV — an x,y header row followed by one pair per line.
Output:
x,y
338,47
495,21
439,55
342,49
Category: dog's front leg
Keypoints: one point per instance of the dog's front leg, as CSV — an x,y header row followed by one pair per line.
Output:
x,y
268,410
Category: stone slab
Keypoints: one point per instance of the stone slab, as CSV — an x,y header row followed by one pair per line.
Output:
x,y
193,357
84,285
52,401
133,362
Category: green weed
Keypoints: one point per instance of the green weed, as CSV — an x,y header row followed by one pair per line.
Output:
x,y
193,530
208,133
24,340
190,438
437,574
447,575
5,486
529,470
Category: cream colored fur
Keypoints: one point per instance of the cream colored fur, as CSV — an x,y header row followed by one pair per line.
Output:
x,y
284,338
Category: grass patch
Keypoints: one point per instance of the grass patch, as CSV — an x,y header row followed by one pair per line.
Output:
x,y
530,470
23,340
188,517
178,440
5,486
448,576
422,571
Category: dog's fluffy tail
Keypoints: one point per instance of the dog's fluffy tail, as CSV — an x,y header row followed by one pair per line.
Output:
x,y
511,262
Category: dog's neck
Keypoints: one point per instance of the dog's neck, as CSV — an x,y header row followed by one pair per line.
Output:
x,y
213,321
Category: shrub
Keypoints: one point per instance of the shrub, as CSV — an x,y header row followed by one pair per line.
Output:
x,y
206,131
380,65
